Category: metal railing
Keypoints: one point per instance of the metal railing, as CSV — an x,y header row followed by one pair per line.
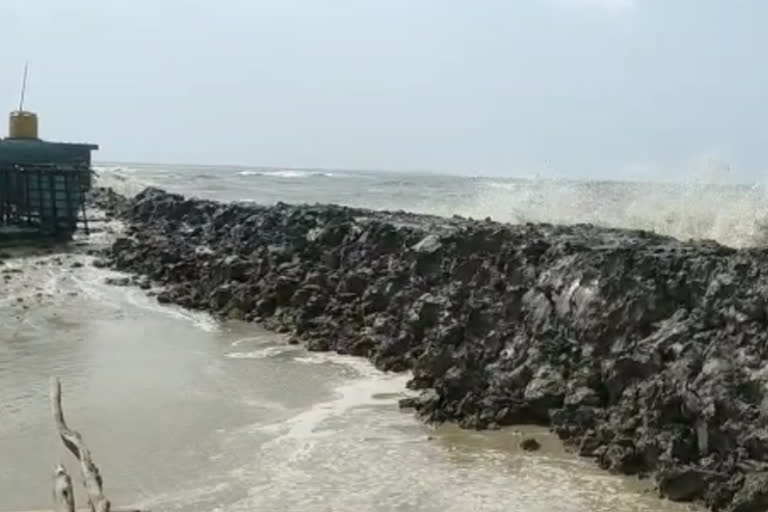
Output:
x,y
46,198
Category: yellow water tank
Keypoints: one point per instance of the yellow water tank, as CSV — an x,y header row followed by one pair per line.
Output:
x,y
22,125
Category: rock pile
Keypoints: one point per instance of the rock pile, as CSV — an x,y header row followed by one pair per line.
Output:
x,y
641,351
106,200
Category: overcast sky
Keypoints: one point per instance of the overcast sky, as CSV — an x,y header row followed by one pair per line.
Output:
x,y
506,87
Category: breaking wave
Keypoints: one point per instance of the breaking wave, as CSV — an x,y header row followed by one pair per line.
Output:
x,y
734,215
288,174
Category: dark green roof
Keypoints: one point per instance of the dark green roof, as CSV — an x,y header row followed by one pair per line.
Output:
x,y
35,151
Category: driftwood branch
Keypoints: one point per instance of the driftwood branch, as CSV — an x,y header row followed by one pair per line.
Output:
x,y
89,510
75,444
63,494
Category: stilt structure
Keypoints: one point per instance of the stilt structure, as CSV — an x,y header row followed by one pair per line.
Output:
x,y
42,184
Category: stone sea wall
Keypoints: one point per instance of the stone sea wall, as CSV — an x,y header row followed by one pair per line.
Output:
x,y
646,353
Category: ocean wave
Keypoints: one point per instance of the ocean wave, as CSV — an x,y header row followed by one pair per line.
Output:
x,y
123,180
288,174
736,216
503,185
697,208
266,352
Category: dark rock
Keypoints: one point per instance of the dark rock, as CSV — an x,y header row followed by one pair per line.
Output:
x,y
118,281
545,391
682,484
753,495
589,444
220,297
164,297
530,445
356,283
621,457
428,245
99,263
106,200
233,268
122,244
427,399
582,395
638,350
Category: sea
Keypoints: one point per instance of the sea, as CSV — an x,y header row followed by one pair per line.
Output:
x,y
702,204
184,413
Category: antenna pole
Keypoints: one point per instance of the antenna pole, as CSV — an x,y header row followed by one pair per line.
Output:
x,y
23,87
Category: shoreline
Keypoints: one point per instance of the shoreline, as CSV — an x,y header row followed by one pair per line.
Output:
x,y
638,350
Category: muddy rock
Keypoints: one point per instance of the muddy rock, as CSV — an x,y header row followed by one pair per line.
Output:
x,y
530,445
682,484
753,495
100,263
118,281
642,352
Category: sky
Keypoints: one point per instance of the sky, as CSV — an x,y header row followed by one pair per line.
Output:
x,y
576,88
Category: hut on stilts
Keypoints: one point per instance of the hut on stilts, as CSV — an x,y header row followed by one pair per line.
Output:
x,y
43,185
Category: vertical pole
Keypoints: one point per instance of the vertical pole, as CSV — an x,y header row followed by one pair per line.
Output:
x,y
3,192
23,87
26,204
53,199
6,194
71,217
40,198
81,193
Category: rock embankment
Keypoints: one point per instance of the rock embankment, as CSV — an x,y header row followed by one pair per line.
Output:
x,y
643,352
106,200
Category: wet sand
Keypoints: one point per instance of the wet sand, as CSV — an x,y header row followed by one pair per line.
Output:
x,y
186,414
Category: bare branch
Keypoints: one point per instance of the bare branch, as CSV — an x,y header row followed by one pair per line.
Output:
x,y
63,495
74,442
89,510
